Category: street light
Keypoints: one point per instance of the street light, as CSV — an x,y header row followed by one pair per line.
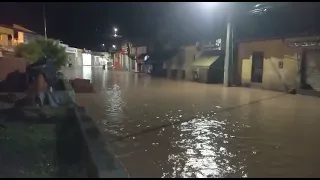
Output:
x,y
229,61
102,45
115,30
114,46
44,21
228,40
208,4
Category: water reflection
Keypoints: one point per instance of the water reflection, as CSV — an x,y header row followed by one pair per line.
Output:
x,y
205,144
238,132
87,72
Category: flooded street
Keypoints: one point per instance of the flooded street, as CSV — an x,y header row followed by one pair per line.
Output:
x,y
166,128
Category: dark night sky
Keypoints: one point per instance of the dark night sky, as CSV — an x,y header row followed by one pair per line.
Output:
x,y
88,24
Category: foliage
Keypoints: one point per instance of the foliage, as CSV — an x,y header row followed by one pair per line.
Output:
x,y
39,48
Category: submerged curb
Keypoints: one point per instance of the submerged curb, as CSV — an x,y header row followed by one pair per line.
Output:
x,y
99,162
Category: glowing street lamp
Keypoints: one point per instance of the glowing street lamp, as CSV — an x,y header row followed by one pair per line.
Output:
x,y
229,41
258,9
115,30
114,46
208,5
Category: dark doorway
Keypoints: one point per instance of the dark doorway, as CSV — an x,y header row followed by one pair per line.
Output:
x,y
257,67
133,67
9,40
183,74
174,74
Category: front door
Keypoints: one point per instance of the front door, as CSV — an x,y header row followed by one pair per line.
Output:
x,y
257,67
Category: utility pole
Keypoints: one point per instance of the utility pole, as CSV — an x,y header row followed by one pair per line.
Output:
x,y
44,21
228,60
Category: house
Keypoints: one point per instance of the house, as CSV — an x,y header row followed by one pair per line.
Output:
x,y
15,34
98,58
120,56
208,67
138,56
201,62
6,35
11,36
74,55
156,62
24,35
156,57
280,64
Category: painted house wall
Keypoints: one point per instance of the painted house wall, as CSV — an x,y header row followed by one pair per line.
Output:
x,y
4,32
275,51
20,37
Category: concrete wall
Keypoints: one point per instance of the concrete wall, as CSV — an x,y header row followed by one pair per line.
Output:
x,y
9,65
275,51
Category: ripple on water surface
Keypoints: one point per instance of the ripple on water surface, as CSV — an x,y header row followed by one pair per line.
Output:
x,y
275,137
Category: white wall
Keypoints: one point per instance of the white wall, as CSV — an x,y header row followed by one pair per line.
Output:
x,y
86,58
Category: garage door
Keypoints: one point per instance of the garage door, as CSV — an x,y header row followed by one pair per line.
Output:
x,y
313,70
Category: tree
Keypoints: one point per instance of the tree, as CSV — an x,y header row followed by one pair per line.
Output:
x,y
39,48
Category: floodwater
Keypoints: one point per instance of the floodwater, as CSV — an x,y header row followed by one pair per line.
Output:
x,y
166,128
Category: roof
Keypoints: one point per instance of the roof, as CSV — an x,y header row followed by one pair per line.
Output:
x,y
18,28
205,61
210,53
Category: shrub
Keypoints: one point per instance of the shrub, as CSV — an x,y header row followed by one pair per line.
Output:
x,y
39,48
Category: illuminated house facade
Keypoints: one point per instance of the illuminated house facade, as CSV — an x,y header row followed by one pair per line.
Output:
x,y
280,64
11,36
15,34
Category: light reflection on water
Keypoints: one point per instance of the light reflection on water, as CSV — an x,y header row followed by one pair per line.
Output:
x,y
277,137
87,72
205,154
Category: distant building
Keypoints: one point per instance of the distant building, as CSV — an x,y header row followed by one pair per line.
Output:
x,y
138,57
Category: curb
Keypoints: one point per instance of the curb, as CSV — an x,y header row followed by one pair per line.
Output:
x,y
98,161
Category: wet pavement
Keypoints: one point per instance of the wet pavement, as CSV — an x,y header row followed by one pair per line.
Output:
x,y
166,128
